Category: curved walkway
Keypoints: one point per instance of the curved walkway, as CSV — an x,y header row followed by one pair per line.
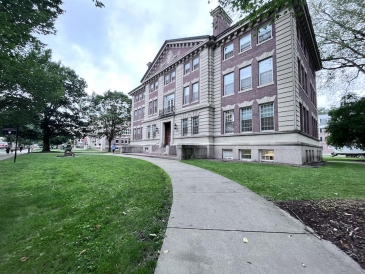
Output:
x,y
210,217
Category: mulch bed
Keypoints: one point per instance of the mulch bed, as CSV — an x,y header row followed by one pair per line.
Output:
x,y
341,222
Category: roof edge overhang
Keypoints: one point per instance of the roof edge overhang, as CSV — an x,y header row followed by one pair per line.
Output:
x,y
164,45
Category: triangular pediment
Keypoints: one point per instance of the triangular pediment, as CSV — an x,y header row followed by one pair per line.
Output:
x,y
170,52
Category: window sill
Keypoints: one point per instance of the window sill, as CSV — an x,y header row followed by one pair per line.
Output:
x,y
245,90
195,69
227,58
186,74
263,42
230,133
271,130
265,85
224,96
245,50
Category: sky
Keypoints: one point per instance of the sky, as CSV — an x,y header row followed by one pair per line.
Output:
x,y
110,47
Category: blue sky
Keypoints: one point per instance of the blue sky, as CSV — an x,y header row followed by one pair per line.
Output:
x,y
110,47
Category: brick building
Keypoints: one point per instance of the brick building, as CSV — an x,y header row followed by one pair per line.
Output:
x,y
243,93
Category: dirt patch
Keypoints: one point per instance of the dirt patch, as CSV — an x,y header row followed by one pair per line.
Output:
x,y
341,222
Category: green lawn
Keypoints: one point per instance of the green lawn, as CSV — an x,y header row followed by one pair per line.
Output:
x,y
342,158
91,213
285,183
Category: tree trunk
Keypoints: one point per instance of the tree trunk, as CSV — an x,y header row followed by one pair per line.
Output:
x,y
46,146
109,145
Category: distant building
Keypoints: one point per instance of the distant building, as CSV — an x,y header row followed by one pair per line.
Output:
x,y
322,123
244,93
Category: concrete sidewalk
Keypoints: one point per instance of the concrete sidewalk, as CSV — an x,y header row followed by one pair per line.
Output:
x,y
211,215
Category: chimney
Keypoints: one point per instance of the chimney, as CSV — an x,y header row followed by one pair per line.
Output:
x,y
221,20
149,64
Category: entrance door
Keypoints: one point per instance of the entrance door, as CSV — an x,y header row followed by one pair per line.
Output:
x,y
167,133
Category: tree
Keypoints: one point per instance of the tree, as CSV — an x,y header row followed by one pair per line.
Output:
x,y
109,115
62,115
21,19
322,110
346,126
254,9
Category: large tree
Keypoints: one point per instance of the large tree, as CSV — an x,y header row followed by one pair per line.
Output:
x,y
20,20
109,115
346,126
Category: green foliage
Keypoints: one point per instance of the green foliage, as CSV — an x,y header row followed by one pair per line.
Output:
x,y
288,183
109,114
347,124
86,214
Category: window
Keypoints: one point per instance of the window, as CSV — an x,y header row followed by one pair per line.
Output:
x,y
227,154
299,72
169,103
265,71
187,68
155,106
153,131
305,83
152,87
196,63
116,141
245,78
245,42
245,154
150,108
228,84
184,127
246,119
265,33
135,115
186,95
138,133
195,125
156,85
267,155
139,115
167,79
320,130
148,132
228,121
173,76
228,51
195,92
267,117
142,117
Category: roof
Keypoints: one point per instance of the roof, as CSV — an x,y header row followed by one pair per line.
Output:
x,y
204,37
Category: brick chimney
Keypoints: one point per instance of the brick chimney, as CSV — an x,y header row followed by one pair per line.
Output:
x,y
221,20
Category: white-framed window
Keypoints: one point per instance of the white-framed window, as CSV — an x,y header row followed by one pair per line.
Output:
x,y
156,85
135,115
196,63
186,95
267,155
142,113
265,71
227,154
148,132
228,84
267,116
245,154
245,78
139,114
228,121
150,108
195,125
245,42
173,76
155,106
167,79
169,103
228,51
195,92
184,125
138,133
152,87
154,131
187,68
246,119
265,33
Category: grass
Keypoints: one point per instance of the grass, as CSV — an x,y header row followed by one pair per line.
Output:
x,y
342,158
286,183
91,213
